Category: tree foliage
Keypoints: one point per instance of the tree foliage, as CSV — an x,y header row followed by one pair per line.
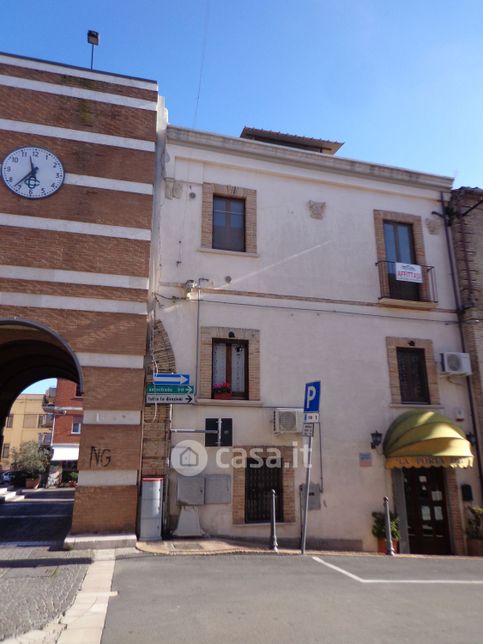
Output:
x,y
30,459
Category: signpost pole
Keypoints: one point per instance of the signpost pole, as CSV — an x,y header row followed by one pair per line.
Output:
x,y
311,416
307,486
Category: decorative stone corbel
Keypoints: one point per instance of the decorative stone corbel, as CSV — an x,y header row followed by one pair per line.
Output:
x,y
173,189
317,209
434,225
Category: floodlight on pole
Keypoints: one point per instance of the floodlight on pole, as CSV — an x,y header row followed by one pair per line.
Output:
x,y
92,39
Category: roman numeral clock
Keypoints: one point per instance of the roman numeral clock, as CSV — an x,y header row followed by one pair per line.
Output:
x,y
32,172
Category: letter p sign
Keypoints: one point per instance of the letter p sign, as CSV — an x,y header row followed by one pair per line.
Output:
x,y
312,397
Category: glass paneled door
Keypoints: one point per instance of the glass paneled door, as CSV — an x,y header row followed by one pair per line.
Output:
x,y
399,243
426,511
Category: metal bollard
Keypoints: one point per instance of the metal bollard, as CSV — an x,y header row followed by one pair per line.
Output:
x,y
273,525
387,520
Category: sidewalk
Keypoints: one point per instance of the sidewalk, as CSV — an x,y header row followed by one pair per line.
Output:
x,y
209,546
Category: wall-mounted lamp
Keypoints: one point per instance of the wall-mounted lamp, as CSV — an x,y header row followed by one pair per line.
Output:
x,y
471,438
92,39
376,439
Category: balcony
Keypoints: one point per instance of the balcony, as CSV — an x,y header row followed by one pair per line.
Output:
x,y
46,420
411,289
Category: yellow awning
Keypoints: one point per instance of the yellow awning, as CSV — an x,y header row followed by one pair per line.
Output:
x,y
426,439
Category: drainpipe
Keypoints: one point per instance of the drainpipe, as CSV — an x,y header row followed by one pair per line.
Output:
x,y
459,314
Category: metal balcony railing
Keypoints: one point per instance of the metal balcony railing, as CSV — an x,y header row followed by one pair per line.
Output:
x,y
392,288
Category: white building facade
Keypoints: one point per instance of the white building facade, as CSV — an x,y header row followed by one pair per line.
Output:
x,y
279,264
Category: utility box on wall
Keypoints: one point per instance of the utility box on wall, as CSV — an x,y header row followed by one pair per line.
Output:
x,y
151,513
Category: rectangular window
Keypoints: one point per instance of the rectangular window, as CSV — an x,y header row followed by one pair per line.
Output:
x,y
9,421
229,223
31,420
230,367
263,475
413,380
76,425
399,243
6,450
220,434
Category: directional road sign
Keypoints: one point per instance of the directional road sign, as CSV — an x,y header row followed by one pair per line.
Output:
x,y
168,399
170,389
171,378
312,397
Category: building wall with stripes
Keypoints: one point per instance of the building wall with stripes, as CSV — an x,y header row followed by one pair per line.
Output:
x,y
78,261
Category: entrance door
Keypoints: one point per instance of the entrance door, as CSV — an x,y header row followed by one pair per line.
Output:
x,y
426,511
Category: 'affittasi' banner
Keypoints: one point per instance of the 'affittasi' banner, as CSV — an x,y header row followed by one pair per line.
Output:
x,y
409,273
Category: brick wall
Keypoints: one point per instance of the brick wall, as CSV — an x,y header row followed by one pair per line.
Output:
x,y
90,195
65,396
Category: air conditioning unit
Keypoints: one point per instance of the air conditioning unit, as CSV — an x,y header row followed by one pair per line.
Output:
x,y
288,421
456,364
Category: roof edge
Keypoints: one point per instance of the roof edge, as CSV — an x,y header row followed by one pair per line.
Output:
x,y
287,155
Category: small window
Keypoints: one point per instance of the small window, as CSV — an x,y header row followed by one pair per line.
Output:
x,y
76,425
217,436
31,420
9,421
262,475
229,223
413,380
230,367
6,450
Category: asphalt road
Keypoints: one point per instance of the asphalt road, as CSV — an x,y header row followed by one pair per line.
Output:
x,y
267,599
43,516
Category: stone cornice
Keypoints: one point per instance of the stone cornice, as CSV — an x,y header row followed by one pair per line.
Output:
x,y
327,163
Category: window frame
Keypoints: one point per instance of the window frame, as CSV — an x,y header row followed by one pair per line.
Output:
x,y
229,342
395,343
6,448
254,475
76,420
415,222
212,190
204,389
230,232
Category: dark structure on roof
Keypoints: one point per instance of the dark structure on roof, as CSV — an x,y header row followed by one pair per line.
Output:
x,y
291,140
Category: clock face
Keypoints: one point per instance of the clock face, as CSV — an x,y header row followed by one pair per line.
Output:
x,y
32,172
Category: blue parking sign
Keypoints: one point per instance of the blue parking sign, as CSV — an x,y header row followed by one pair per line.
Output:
x,y
312,397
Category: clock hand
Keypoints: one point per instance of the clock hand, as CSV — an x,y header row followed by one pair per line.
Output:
x,y
32,173
31,164
27,176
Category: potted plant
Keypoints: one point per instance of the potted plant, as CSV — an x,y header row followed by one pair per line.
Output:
x,y
474,531
74,477
379,530
32,460
222,391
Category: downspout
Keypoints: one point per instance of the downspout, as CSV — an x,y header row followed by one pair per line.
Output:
x,y
459,314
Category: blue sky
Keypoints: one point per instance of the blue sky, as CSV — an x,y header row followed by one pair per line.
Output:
x,y
399,82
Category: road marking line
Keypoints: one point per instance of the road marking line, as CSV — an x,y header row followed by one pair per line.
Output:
x,y
344,572
396,581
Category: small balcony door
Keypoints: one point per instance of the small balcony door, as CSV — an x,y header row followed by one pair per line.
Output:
x,y
399,242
